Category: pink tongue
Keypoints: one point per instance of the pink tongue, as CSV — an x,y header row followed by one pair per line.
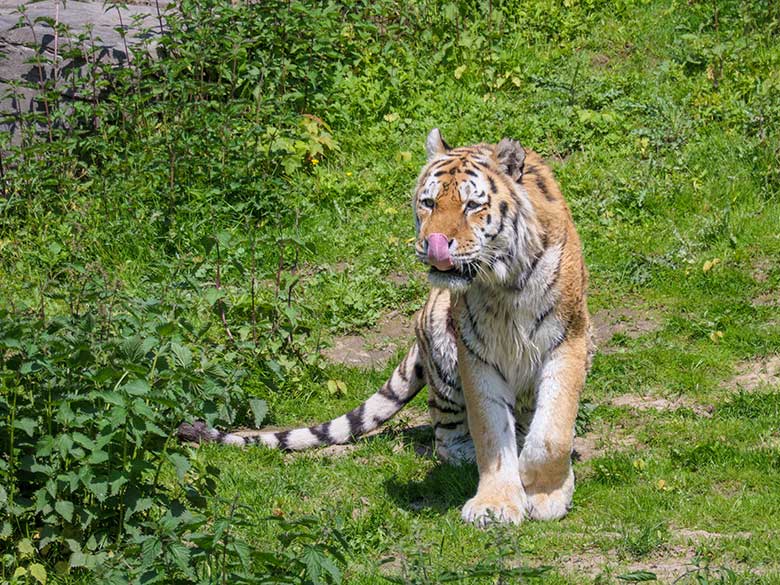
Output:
x,y
439,251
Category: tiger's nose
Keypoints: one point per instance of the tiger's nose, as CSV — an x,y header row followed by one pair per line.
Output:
x,y
439,251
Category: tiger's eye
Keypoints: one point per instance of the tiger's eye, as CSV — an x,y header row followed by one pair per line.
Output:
x,y
472,205
427,203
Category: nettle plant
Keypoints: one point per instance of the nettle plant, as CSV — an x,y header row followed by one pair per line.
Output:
x,y
92,476
89,404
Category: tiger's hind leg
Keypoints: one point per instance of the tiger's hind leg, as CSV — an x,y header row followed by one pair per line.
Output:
x,y
439,355
450,425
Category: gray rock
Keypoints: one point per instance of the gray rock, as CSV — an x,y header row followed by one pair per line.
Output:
x,y
94,28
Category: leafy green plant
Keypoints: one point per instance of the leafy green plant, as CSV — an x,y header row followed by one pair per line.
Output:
x,y
640,541
94,478
90,404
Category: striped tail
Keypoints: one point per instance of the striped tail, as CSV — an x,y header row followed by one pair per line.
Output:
x,y
404,384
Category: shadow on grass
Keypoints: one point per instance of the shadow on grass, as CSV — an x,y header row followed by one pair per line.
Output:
x,y
444,487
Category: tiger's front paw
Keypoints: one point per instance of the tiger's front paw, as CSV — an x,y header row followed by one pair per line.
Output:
x,y
550,502
508,508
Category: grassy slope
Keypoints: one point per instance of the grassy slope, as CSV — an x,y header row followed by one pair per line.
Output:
x,y
658,186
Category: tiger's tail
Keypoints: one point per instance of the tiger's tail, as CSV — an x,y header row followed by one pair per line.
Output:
x,y
404,384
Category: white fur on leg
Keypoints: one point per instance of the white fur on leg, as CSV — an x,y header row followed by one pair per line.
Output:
x,y
490,401
545,460
481,510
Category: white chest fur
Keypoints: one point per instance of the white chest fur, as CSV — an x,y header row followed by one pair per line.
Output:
x,y
512,327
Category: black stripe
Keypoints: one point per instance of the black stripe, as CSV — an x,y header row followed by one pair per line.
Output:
x,y
500,229
418,371
493,188
322,432
503,207
439,173
504,403
445,379
530,169
557,343
402,370
435,298
510,406
540,319
514,229
446,399
387,391
441,163
557,273
526,276
471,322
447,425
508,186
482,358
549,195
282,438
505,258
444,409
355,418
472,173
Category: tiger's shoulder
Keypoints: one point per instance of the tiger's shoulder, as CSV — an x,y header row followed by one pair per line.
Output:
x,y
557,227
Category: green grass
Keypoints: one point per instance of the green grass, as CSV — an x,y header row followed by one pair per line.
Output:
x,y
660,119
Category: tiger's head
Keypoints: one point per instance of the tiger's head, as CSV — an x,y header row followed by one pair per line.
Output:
x,y
469,210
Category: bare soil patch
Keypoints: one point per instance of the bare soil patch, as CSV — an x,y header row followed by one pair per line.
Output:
x,y
667,566
756,373
603,439
649,402
760,269
670,564
399,278
599,60
373,349
630,322
767,299
699,535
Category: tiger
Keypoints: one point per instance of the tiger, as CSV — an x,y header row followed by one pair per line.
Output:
x,y
503,341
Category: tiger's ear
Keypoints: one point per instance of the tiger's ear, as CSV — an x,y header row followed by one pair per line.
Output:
x,y
511,158
435,145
